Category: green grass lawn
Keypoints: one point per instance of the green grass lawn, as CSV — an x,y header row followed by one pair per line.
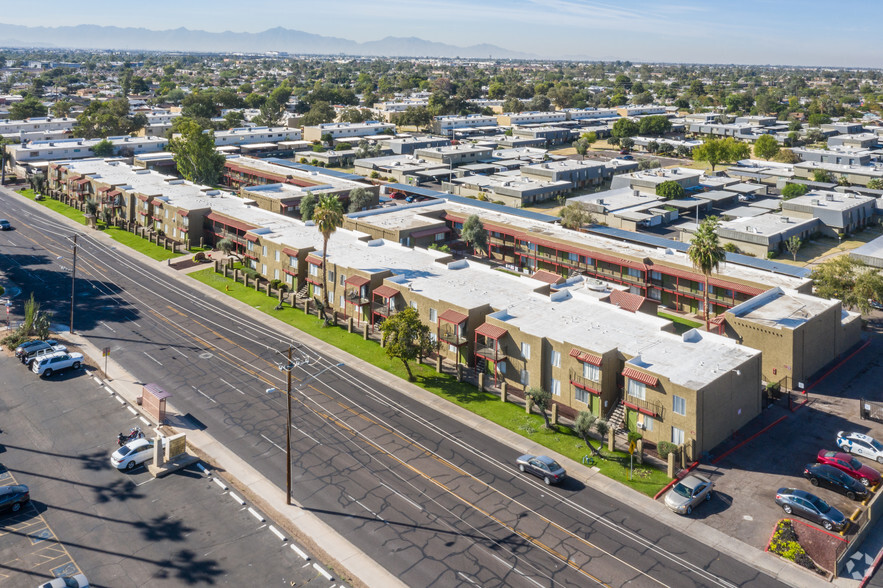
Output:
x,y
647,480
119,235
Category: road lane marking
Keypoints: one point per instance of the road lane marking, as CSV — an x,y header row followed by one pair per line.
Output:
x,y
305,434
204,394
402,496
151,357
322,571
132,410
467,578
232,386
271,441
108,326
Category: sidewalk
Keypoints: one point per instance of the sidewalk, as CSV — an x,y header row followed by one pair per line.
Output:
x,y
362,568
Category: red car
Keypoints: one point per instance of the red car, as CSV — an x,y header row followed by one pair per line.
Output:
x,y
845,462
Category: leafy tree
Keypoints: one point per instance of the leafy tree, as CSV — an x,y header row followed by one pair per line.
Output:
x,y
356,115
715,151
655,125
766,147
108,119
706,254
195,154
652,146
474,233
367,149
583,425
233,119
62,108
406,338
307,206
28,108
201,106
875,184
793,191
670,190
626,142
786,156
851,281
665,149
542,400
319,113
793,245
625,127
360,199
816,119
581,146
822,175
225,245
328,215
513,104
103,148
574,216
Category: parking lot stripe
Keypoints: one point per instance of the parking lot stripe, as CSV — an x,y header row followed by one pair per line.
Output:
x,y
276,532
256,514
144,420
132,410
220,483
120,400
303,555
323,572
236,498
97,381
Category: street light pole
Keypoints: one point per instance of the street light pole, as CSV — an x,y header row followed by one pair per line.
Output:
x,y
73,284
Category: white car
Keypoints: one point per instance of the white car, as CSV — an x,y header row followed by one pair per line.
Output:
x,y
56,362
75,581
860,444
132,454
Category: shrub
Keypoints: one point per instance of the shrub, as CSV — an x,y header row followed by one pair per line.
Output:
x,y
200,256
664,448
731,248
793,191
275,284
784,542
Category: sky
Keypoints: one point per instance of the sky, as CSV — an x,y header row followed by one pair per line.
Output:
x,y
807,32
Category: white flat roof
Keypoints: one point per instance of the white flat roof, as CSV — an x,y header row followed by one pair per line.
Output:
x,y
784,309
766,224
824,199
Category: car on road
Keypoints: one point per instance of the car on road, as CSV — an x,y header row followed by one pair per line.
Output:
x,y
14,497
132,454
34,345
853,467
32,356
860,444
75,581
624,152
5,225
56,362
810,506
689,493
543,467
820,474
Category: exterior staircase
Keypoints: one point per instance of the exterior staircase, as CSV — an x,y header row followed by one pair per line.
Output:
x,y
616,418
303,293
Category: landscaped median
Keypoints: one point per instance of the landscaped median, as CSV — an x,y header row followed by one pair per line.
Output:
x,y
563,440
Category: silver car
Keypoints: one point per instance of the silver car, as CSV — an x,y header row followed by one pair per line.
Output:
x,y
689,493
543,467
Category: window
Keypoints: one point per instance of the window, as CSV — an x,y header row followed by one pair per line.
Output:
x,y
634,273
654,275
433,315
501,367
331,277
314,270
342,280
556,387
264,269
342,301
275,274
289,279
250,246
525,378
637,389
292,262
591,372
679,405
648,423
525,350
556,358
277,255
581,395
654,294
433,337
677,436
414,304
440,237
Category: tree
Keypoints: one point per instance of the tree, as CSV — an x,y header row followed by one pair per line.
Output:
x,y
406,338
319,113
787,156
655,125
108,119
474,233
875,184
103,148
625,127
542,399
574,216
225,245
715,151
816,119
626,142
195,154
706,254
328,215
360,199
581,146
652,146
307,206
665,149
822,175
27,108
793,245
62,108
766,147
851,281
793,191
583,425
670,190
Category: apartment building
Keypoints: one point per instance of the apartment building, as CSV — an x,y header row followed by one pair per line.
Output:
x,y
509,119
454,155
579,174
837,213
251,135
837,155
11,129
855,141
407,145
240,171
649,180
347,130
446,124
552,135
766,233
591,114
509,188
20,158
646,110
854,174
626,208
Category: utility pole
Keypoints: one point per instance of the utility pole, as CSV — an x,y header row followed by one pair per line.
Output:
x,y
73,283
288,434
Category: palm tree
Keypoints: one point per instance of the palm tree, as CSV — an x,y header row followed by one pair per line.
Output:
x,y
706,254
328,215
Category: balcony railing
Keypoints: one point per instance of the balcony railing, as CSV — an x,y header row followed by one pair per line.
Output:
x,y
383,310
355,298
577,378
494,354
452,338
651,406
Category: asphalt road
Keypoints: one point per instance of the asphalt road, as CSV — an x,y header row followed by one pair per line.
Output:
x,y
436,503
119,528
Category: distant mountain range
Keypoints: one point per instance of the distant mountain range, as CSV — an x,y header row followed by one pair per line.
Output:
x,y
276,39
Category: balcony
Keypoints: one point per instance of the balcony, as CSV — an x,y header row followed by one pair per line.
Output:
x,y
451,338
354,297
578,379
647,406
383,310
491,353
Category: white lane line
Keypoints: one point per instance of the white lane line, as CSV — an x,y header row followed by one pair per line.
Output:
x,y
276,532
402,496
374,514
232,386
144,420
221,483
142,483
179,352
271,441
206,395
120,400
137,326
151,357
323,572
303,555
132,410
108,326
256,514
236,498
305,434
467,578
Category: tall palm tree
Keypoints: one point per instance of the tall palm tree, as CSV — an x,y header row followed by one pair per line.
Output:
x,y
328,215
706,254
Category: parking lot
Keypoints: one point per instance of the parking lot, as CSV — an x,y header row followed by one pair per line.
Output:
x,y
119,528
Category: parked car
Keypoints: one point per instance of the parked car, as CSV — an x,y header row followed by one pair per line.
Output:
x,y
820,474
853,467
56,362
623,151
543,467
626,157
875,304
810,506
689,493
860,444
132,454
28,346
4,225
75,581
14,497
29,358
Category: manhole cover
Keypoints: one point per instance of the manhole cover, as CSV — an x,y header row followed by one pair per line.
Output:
x,y
206,355
748,517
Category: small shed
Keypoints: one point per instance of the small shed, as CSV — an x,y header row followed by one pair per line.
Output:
x,y
153,399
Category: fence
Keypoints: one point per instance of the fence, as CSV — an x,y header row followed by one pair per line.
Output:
x,y
866,519
870,410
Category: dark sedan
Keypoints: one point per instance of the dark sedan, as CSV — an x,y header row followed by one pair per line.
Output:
x,y
850,465
820,474
14,497
543,467
810,506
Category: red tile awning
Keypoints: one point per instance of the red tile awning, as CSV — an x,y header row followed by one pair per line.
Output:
x,y
315,260
251,237
114,193
627,300
586,388
357,281
716,282
289,252
82,181
452,316
428,232
230,222
634,374
385,291
104,189
547,276
142,197
585,357
491,331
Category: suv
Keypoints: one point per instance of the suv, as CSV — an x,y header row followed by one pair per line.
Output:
x,y
4,225
55,362
34,345
31,356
